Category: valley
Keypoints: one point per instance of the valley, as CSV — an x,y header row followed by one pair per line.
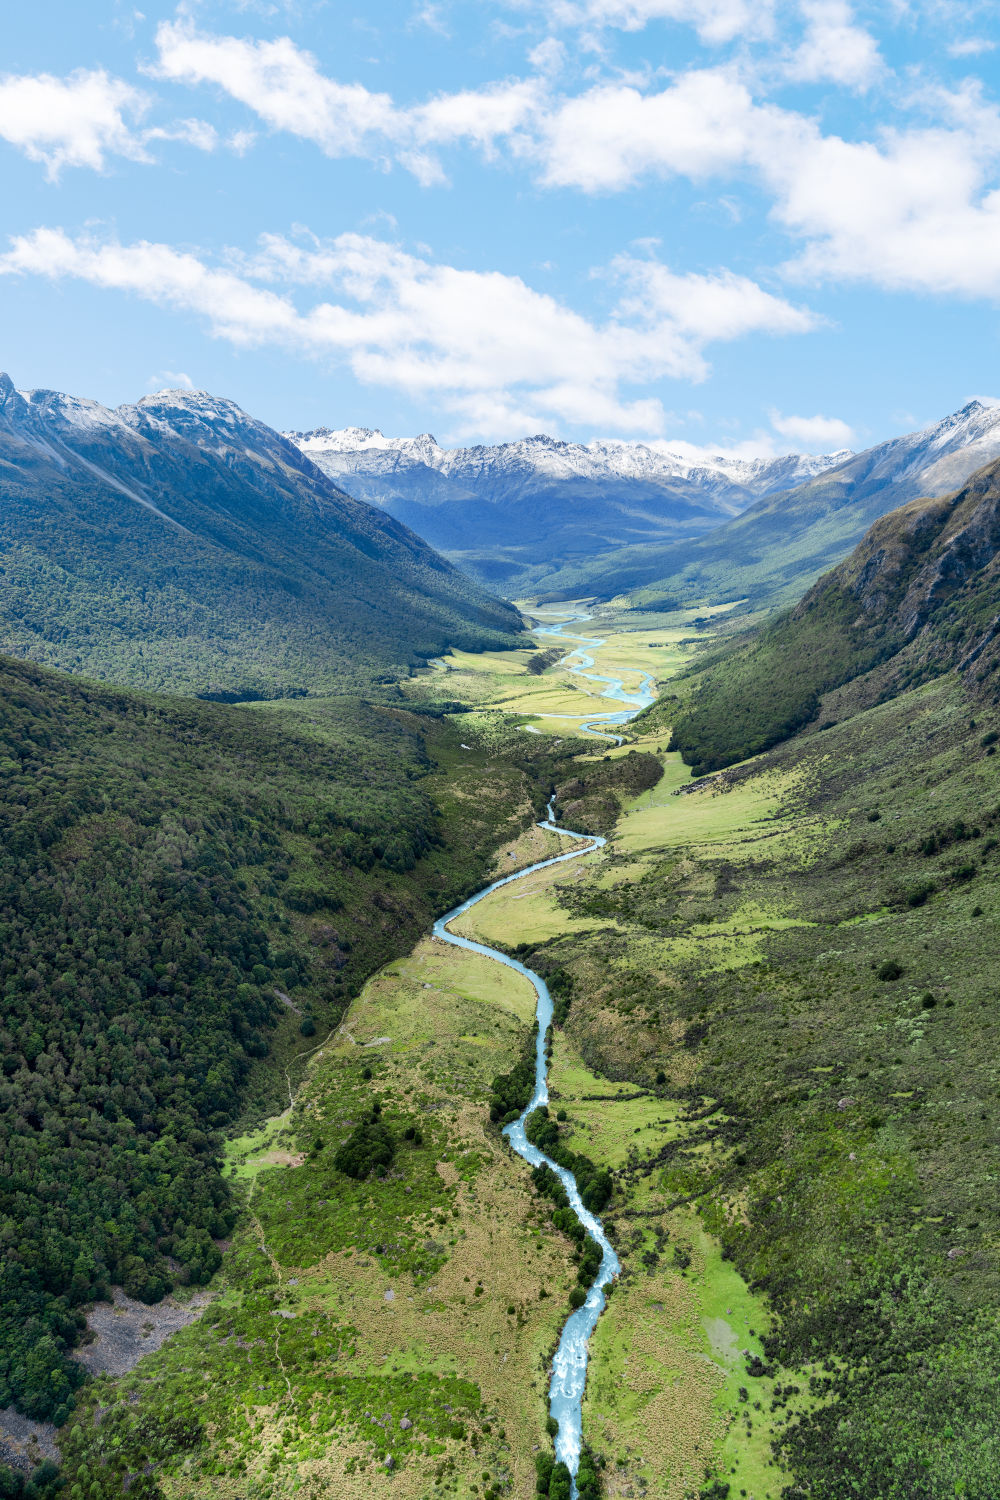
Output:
x,y
247,1065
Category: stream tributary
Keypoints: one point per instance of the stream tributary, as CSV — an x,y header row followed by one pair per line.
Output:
x,y
569,1366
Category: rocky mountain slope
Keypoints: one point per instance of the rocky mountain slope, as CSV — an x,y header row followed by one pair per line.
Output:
x,y
514,512
179,544
918,596
775,549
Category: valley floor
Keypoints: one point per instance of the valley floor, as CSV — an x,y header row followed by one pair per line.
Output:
x,y
785,1058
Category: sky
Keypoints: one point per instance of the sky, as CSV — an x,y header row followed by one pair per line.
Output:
x,y
756,226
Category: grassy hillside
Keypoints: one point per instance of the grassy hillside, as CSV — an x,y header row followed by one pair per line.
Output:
x,y
189,894
917,596
181,546
803,951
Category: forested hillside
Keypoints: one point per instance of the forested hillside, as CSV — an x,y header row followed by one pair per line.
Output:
x,y
916,597
189,893
179,545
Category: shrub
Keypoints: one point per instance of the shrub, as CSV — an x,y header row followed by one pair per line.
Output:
x,y
889,970
369,1147
577,1297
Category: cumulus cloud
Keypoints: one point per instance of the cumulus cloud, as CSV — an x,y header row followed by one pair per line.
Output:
x,y
85,119
835,47
488,346
286,88
78,121
914,209
814,434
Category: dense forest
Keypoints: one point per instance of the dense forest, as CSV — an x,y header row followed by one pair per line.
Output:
x,y
181,546
185,889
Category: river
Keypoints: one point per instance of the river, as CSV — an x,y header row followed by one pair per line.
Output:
x,y
569,1365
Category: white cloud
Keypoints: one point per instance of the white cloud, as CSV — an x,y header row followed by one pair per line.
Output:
x,y
78,121
714,20
814,434
971,46
196,133
492,349
284,86
834,47
915,209
614,134
171,380
84,119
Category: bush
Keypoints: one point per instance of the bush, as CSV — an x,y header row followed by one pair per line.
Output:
x,y
560,1485
369,1147
577,1297
889,970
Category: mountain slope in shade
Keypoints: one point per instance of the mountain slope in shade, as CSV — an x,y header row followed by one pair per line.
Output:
x,y
918,596
179,544
775,549
512,513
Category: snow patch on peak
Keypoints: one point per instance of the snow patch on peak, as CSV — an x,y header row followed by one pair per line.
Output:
x,y
367,450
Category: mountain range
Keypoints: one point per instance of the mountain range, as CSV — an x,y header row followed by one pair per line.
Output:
x,y
781,543
607,519
917,597
179,544
514,513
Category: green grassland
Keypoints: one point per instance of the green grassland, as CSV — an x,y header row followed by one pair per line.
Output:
x,y
663,1395
808,946
554,701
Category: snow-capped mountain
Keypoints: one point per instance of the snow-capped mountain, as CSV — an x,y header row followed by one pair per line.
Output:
x,y
781,543
365,450
510,512
178,543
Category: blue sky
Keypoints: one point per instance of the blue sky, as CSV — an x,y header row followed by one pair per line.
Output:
x,y
757,224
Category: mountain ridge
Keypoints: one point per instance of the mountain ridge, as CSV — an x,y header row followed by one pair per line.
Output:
x,y
512,512
772,551
236,567
918,596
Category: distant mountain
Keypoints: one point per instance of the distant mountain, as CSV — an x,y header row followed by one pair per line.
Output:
x,y
775,549
179,544
513,513
918,596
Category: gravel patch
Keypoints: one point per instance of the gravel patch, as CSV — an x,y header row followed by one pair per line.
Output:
x,y
125,1330
23,1443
